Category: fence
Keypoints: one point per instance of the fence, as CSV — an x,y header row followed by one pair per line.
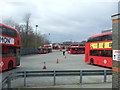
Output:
x,y
54,74
25,51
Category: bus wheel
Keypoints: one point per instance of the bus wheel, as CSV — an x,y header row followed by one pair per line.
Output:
x,y
10,65
91,61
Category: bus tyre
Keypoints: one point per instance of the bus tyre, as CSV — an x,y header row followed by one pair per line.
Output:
x,y
91,61
10,65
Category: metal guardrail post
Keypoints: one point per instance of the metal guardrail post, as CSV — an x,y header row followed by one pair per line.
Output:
x,y
8,82
80,76
54,77
105,77
24,78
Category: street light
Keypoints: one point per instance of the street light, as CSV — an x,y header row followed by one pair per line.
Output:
x,y
49,37
36,36
36,29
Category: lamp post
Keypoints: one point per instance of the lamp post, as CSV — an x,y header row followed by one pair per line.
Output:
x,y
36,36
49,37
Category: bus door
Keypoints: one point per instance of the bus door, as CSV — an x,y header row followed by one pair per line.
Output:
x,y
17,56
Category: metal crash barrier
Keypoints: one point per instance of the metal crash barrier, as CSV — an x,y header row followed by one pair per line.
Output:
x,y
54,74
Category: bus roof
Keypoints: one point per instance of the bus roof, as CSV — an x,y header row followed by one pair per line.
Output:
x,y
76,43
76,46
100,34
18,41
8,27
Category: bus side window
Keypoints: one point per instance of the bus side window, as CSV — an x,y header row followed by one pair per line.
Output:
x,y
110,53
107,37
94,53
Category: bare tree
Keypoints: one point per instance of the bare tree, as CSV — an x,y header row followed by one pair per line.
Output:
x,y
9,22
28,37
27,20
27,28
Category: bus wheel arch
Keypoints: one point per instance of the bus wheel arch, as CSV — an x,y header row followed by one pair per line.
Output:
x,y
10,65
91,61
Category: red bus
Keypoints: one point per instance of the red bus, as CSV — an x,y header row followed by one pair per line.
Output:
x,y
78,48
41,51
56,47
10,47
47,48
78,44
98,50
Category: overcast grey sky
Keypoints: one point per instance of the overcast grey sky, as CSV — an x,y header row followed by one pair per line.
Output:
x,y
65,20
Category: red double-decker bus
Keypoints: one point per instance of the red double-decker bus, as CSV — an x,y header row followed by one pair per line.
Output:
x,y
41,51
10,47
78,48
47,48
98,50
78,44
58,47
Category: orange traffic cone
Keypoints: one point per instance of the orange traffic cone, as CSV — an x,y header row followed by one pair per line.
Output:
x,y
57,61
44,67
